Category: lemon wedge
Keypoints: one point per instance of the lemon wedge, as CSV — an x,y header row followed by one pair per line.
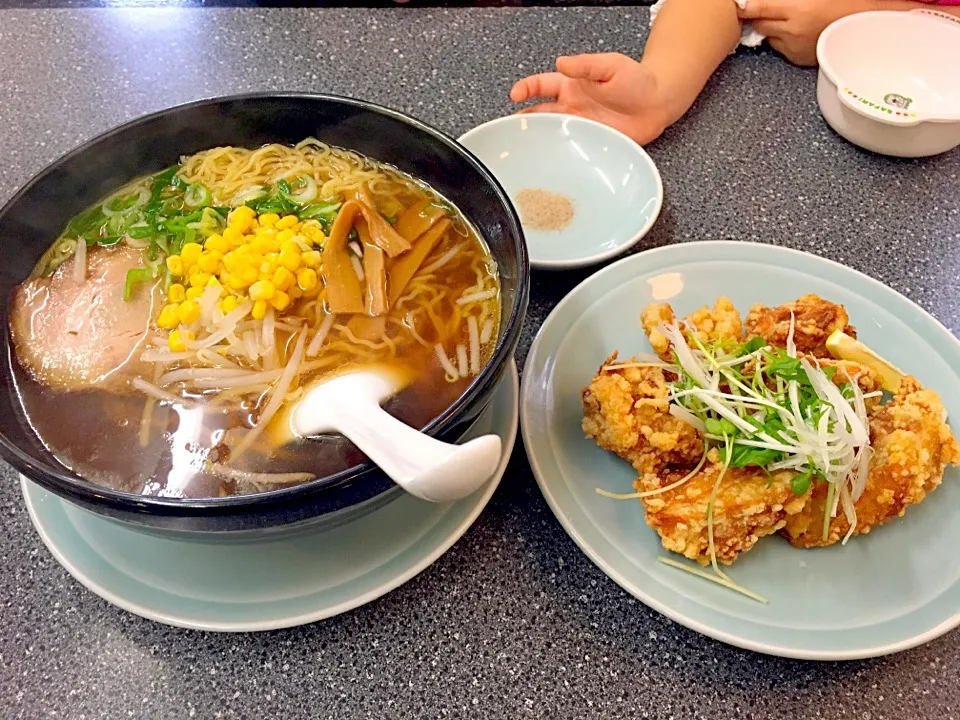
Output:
x,y
844,347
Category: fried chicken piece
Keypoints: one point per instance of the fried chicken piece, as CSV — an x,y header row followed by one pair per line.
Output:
x,y
814,320
652,316
749,505
719,324
626,413
912,445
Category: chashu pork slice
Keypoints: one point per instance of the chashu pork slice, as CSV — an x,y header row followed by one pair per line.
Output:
x,y
74,334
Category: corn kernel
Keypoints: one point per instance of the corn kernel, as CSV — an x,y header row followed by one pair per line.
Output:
x,y
176,339
213,282
176,293
268,219
199,279
267,269
313,230
244,211
235,282
288,221
289,246
307,279
188,312
216,242
283,279
168,318
248,274
263,245
240,222
233,236
175,265
194,293
311,258
262,290
229,304
295,293
284,235
259,310
290,260
210,261
280,301
190,253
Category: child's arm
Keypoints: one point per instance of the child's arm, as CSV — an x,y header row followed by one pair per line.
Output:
x,y
687,43
792,27
689,39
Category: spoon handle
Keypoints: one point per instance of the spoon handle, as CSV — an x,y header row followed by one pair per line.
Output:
x,y
430,469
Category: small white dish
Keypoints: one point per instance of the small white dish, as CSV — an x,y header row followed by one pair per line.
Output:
x,y
272,582
889,81
612,183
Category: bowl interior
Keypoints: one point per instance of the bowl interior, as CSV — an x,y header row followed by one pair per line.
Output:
x,y
38,213
612,183
904,60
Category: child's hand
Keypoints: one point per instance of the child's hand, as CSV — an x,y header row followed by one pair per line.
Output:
x,y
610,88
792,27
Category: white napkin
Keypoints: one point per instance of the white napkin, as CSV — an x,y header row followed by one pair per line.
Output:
x,y
748,38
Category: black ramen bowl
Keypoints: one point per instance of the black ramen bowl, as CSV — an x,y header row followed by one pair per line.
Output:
x,y
38,213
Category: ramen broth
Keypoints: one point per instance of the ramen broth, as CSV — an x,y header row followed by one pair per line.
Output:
x,y
138,397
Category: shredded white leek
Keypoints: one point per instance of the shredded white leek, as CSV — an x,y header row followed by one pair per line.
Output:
x,y
777,410
719,580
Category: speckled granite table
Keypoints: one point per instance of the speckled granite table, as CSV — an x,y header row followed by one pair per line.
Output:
x,y
513,622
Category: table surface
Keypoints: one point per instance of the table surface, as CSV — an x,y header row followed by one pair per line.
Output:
x,y
514,621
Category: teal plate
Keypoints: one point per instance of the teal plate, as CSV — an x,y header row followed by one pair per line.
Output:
x,y
887,591
268,583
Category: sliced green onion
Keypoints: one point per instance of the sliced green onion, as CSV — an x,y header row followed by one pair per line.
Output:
x,y
128,200
305,192
196,196
134,278
324,210
140,231
249,195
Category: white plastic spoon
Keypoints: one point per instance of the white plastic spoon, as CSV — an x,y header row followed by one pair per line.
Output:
x,y
349,403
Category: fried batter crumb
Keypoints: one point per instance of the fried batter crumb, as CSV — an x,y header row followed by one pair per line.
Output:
x,y
720,324
626,412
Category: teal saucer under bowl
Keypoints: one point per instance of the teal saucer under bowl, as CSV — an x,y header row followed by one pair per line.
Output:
x,y
271,582
895,588
612,183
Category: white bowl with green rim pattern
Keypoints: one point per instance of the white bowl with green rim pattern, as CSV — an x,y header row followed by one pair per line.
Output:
x,y
612,183
889,81
892,589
